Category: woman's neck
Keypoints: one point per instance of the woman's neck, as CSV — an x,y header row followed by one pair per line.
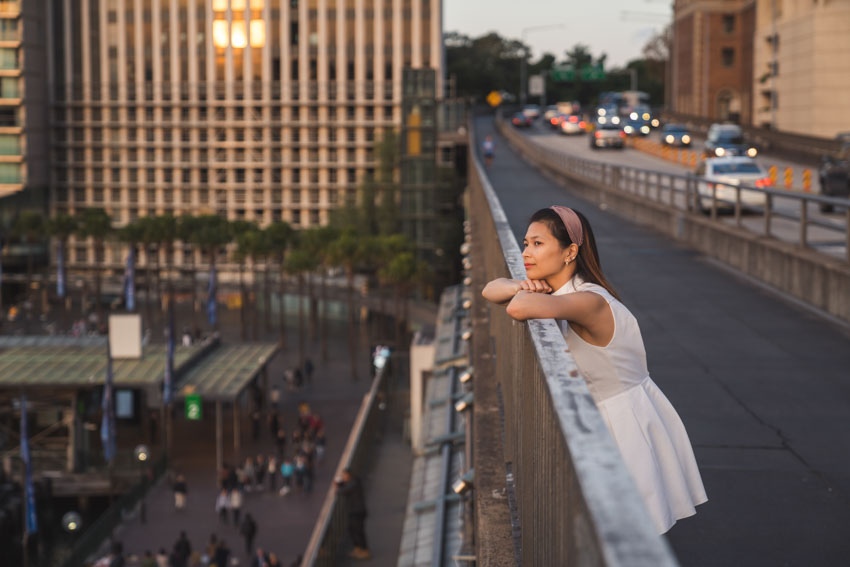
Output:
x,y
557,281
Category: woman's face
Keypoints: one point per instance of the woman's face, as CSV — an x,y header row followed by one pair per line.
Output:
x,y
542,253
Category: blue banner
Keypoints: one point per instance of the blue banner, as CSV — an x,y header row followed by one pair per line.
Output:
x,y
32,521
168,382
60,270
211,293
130,281
107,423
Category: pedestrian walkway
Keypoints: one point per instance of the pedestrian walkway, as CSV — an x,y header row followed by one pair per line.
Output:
x,y
762,385
284,523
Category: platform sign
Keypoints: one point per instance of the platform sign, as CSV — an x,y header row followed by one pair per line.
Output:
x,y
494,99
193,407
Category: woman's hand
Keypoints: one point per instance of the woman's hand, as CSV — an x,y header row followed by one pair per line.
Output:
x,y
501,290
536,286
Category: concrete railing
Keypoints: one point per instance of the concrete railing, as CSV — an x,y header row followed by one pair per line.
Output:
x,y
575,502
671,204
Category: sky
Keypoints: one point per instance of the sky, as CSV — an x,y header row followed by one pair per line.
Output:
x,y
619,28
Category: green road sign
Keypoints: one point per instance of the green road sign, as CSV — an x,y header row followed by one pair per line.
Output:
x,y
566,74
193,407
562,74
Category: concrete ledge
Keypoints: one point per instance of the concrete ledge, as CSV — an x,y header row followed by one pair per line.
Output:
x,y
815,279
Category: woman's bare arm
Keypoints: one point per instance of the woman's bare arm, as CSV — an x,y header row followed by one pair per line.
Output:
x,y
501,290
583,308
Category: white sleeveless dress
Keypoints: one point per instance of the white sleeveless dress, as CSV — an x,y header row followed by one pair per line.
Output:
x,y
645,426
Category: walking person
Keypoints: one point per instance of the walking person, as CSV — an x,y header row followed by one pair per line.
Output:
x,y
180,493
488,148
272,470
349,486
222,504
248,472
565,283
162,558
236,505
249,532
211,547
300,471
221,556
320,445
259,471
274,396
183,549
286,472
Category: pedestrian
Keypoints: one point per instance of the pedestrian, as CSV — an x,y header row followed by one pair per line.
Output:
x,y
183,549
272,470
565,283
304,421
273,560
211,547
280,442
148,560
236,504
249,531
316,424
298,378
221,556
187,337
308,369
259,471
296,439
488,148
258,559
289,379
180,490
275,397
320,445
286,472
222,503
300,470
274,423
162,558
231,478
349,486
248,472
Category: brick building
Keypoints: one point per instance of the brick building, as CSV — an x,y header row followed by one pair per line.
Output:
x,y
712,59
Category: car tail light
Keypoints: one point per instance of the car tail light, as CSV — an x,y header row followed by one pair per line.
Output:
x,y
582,124
597,134
573,119
553,121
516,121
764,182
622,134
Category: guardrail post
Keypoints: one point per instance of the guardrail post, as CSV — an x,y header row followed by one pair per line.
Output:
x,y
738,206
804,221
847,233
768,214
616,172
713,201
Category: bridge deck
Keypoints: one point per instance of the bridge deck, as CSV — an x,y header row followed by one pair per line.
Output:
x,y
762,386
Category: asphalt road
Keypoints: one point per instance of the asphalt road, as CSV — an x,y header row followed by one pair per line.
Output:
x,y
762,386
827,241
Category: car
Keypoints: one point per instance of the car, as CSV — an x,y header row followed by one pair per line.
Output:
x,y
520,120
725,140
636,128
834,173
608,115
555,121
572,124
608,136
724,174
532,111
675,135
550,113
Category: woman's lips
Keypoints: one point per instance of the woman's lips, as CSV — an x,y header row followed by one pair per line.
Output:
x,y
528,265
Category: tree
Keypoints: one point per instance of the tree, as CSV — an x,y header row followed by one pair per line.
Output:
x,y
212,233
29,228
96,225
250,245
132,235
318,241
166,233
279,236
299,262
402,271
148,232
61,227
187,227
483,64
237,230
345,252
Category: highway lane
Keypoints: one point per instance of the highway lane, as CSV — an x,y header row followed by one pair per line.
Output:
x,y
827,241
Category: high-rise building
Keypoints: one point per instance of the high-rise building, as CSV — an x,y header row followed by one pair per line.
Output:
x,y
712,59
260,110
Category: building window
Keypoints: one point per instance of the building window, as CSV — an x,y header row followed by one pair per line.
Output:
x,y
728,54
728,23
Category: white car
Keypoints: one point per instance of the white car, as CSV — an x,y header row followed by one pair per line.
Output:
x,y
532,111
572,124
723,174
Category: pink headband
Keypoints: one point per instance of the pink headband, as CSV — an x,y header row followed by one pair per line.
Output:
x,y
572,222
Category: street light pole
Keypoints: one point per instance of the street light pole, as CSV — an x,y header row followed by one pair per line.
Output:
x,y
523,83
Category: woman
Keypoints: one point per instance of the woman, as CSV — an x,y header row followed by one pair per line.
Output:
x,y
565,282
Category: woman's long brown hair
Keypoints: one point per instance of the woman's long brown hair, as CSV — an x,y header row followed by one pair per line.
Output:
x,y
587,261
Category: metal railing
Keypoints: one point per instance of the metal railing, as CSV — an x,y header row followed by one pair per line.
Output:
x,y
92,539
329,534
577,503
687,192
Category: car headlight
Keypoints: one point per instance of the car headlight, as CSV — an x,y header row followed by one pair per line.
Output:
x,y
633,115
656,123
603,120
669,138
644,129
601,112
615,120
752,152
686,139
628,129
646,116
719,152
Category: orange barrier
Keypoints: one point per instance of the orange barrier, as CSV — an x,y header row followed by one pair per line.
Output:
x,y
807,180
789,177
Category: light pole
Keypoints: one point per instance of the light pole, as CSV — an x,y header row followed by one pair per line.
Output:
x,y
522,80
141,453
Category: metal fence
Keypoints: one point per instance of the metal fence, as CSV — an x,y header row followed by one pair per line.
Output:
x,y
691,193
329,534
577,504
92,539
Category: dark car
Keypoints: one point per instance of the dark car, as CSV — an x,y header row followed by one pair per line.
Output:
x,y
834,173
521,120
675,135
726,140
608,136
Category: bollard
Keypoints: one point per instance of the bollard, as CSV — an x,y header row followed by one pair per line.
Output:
x,y
789,177
772,173
807,180
693,159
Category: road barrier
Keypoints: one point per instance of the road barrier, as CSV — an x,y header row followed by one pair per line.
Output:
x,y
673,203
